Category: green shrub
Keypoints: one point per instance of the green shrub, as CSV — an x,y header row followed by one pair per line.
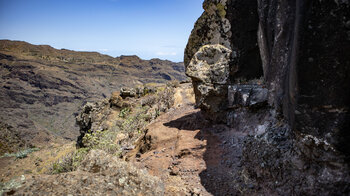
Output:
x,y
21,154
124,112
102,139
69,162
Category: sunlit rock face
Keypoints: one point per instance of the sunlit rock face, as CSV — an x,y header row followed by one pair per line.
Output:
x,y
279,71
209,70
231,53
210,65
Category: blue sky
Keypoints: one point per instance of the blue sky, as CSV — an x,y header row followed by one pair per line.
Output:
x,y
147,28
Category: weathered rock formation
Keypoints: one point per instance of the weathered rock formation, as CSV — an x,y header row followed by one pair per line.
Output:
x,y
124,115
279,71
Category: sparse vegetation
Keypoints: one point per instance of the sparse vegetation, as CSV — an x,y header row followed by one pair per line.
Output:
x,y
10,141
102,139
126,125
130,122
12,184
70,162
137,121
21,154
124,112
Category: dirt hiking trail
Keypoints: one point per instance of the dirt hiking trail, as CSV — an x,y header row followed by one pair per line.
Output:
x,y
191,155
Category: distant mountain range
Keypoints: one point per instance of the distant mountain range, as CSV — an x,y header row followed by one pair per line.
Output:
x,y
42,88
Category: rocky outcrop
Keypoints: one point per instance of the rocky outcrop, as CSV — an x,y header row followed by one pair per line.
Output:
x,y
124,116
278,71
99,174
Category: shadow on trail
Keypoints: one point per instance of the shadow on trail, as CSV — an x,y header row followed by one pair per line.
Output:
x,y
222,154
188,122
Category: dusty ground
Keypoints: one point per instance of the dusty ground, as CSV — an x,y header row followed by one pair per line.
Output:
x,y
36,163
191,157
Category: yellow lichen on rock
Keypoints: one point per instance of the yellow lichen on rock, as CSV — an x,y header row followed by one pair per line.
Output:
x,y
221,10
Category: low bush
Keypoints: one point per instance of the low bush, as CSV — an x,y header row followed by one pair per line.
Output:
x,y
124,112
70,162
102,139
21,154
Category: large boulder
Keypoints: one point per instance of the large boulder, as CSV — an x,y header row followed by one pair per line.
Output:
x,y
209,70
210,65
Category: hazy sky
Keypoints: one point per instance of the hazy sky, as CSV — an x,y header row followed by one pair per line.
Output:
x,y
147,28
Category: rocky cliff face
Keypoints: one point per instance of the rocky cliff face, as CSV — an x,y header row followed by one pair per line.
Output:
x,y
279,71
42,88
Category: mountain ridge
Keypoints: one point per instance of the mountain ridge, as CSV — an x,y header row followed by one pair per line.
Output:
x,y
24,45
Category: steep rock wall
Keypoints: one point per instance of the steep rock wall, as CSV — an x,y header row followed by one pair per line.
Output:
x,y
306,68
298,113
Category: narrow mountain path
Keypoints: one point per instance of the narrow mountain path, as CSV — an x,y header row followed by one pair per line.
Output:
x,y
192,156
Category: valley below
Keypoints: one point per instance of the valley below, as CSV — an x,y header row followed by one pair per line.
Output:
x,y
43,89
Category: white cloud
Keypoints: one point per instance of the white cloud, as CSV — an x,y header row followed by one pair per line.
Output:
x,y
166,53
103,50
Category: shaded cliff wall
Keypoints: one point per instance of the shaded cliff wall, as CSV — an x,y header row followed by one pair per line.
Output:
x,y
306,66
298,46
323,72
298,113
